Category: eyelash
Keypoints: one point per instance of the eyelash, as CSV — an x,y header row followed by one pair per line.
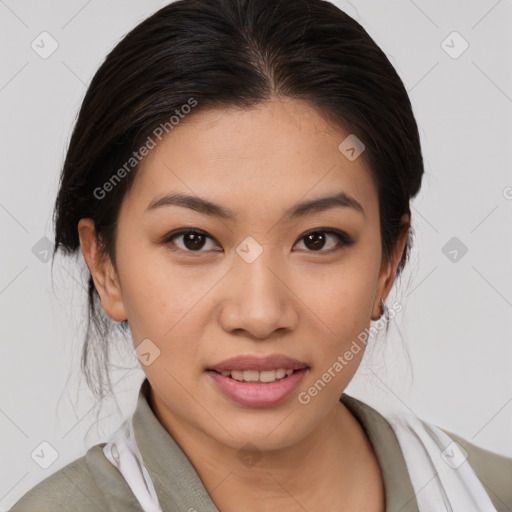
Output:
x,y
344,239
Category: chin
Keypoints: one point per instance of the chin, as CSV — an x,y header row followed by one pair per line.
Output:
x,y
272,431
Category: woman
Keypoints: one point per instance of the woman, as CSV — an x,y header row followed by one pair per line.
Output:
x,y
238,182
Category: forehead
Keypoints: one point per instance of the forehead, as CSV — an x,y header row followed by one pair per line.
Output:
x,y
274,154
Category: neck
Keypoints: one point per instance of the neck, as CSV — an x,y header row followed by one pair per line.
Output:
x,y
335,463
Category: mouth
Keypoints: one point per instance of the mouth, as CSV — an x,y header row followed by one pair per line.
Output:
x,y
253,380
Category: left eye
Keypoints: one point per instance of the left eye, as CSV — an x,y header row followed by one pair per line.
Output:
x,y
315,240
194,240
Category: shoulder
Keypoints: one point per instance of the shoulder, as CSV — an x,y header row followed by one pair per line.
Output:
x,y
492,469
90,483
69,488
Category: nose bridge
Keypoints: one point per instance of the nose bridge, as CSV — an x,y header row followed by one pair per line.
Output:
x,y
258,276
258,300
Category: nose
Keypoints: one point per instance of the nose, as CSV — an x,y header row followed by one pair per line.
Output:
x,y
258,299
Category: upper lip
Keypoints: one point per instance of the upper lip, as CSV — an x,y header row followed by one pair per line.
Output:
x,y
259,363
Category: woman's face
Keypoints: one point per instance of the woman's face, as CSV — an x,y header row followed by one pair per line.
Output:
x,y
253,283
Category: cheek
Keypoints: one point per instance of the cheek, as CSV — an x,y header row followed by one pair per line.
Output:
x,y
342,303
348,316
151,294
343,312
164,302
343,296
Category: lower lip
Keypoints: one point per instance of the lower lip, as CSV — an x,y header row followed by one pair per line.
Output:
x,y
258,394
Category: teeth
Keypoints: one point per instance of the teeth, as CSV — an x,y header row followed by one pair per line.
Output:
x,y
251,375
237,375
255,376
267,376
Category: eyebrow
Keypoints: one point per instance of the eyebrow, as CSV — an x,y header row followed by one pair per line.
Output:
x,y
341,199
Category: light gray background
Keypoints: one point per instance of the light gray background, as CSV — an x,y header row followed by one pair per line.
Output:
x,y
456,322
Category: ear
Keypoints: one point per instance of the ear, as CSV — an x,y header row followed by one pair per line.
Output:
x,y
388,269
102,272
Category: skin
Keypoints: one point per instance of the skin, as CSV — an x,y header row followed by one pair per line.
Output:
x,y
201,307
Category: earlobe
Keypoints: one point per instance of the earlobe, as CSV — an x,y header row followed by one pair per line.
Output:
x,y
388,270
102,272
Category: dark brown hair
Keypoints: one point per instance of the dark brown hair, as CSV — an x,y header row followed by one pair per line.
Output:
x,y
231,53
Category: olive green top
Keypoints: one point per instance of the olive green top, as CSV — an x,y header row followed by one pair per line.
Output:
x,y
91,483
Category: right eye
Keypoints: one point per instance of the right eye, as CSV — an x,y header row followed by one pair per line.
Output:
x,y
191,240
